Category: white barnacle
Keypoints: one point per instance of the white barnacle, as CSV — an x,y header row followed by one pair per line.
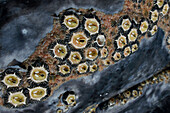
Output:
x,y
126,24
79,40
121,41
92,26
64,69
71,21
165,9
144,26
37,93
91,53
75,58
82,68
60,51
133,34
11,80
154,15
38,74
17,98
100,40
154,29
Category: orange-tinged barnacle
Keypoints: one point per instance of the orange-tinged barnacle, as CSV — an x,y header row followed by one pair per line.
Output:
x,y
91,53
11,80
100,40
127,51
126,24
154,29
134,93
37,93
154,15
75,58
144,26
160,3
79,40
71,99
64,69
38,74
133,34
134,47
17,98
93,68
117,56
60,51
71,21
92,26
121,41
82,68
106,62
165,9
104,52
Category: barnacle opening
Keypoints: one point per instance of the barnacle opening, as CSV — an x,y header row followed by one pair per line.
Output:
x,y
165,9
144,26
104,52
91,53
92,26
134,47
135,93
106,62
126,24
71,21
93,68
154,29
100,40
69,98
17,98
133,34
79,40
154,15
38,74
121,42
82,68
60,51
37,93
117,56
127,94
64,69
75,58
127,51
11,80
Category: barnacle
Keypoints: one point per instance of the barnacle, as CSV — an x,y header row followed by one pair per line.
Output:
x,y
160,3
64,69
165,9
127,51
154,15
132,36
71,21
79,40
92,26
38,74
17,98
134,47
11,80
144,26
104,52
69,98
154,29
75,57
93,68
91,53
117,56
100,40
37,93
126,24
82,68
121,41
60,51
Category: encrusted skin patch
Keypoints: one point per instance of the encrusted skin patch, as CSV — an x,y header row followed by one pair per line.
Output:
x,y
84,42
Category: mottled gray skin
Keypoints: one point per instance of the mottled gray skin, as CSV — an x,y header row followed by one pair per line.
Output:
x,y
151,57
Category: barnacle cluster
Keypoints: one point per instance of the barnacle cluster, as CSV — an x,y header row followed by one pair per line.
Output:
x,y
82,42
